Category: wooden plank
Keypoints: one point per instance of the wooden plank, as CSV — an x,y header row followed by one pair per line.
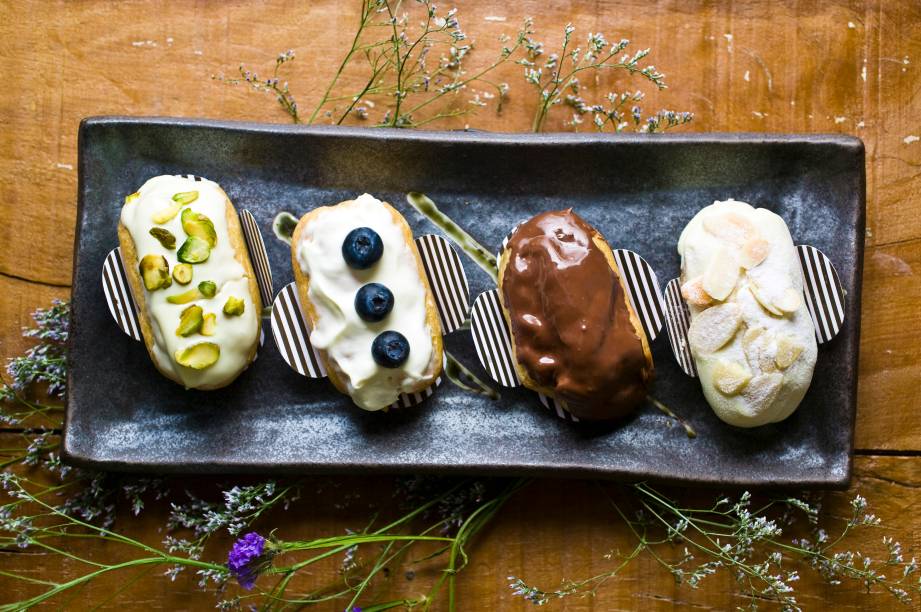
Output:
x,y
554,529
889,387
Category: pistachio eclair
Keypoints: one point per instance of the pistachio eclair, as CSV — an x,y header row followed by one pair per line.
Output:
x,y
192,280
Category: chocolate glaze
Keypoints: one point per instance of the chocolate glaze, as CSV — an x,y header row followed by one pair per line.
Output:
x,y
569,318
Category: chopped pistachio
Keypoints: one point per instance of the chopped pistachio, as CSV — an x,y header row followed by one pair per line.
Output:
x,y
165,237
234,306
197,224
132,197
155,272
208,324
185,197
184,298
167,213
194,250
198,356
182,273
190,321
207,288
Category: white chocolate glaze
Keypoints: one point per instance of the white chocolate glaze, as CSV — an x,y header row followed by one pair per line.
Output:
x,y
761,373
235,335
339,330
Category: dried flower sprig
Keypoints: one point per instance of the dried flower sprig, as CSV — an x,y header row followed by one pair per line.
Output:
x,y
747,542
46,362
557,79
412,59
272,85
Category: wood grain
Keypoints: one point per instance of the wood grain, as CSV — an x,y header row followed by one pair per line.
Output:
x,y
842,66
552,530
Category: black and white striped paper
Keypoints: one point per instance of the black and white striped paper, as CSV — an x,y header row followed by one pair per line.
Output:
x,y
446,277
642,290
677,321
822,291
257,255
117,291
448,281
118,294
492,339
292,334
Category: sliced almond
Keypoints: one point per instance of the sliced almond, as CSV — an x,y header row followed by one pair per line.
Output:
x,y
788,351
730,376
754,251
762,390
789,302
714,327
693,292
762,299
731,227
721,275
760,350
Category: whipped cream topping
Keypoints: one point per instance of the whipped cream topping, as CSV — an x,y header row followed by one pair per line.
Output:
x,y
235,335
339,330
754,347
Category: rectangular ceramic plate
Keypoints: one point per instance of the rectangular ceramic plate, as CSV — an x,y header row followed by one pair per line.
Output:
x,y
639,190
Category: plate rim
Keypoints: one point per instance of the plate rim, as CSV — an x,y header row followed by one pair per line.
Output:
x,y
852,144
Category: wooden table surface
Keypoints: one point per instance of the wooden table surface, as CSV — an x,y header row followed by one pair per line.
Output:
x,y
851,67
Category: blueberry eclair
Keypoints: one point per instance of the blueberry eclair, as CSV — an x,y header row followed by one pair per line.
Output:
x,y
367,301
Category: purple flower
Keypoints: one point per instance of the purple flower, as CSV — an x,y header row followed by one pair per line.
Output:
x,y
246,560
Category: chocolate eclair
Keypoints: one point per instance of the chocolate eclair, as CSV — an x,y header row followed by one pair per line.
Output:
x,y
575,336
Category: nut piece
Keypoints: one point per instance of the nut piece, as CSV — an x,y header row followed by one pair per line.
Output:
x,y
185,197
182,273
714,327
208,324
197,224
194,250
155,272
760,349
754,252
234,306
731,227
788,351
693,292
207,288
762,390
789,302
730,376
164,236
762,298
166,214
721,274
190,321
184,298
198,356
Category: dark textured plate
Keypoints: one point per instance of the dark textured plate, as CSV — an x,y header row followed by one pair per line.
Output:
x,y
638,190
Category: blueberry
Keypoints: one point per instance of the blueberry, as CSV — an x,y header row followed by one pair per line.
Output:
x,y
373,302
390,349
362,248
